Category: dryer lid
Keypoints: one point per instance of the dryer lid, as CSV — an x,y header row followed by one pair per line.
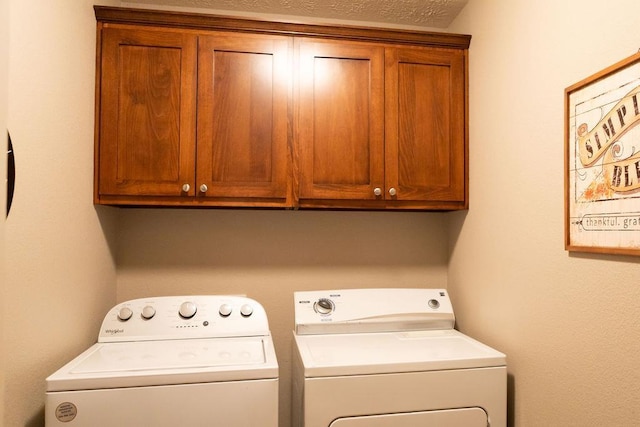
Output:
x,y
393,352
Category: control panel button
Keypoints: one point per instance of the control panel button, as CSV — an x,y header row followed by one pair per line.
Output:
x,y
246,310
125,314
148,312
225,310
434,303
324,306
187,310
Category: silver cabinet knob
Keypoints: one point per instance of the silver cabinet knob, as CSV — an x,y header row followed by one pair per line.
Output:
x,y
204,188
186,188
392,191
377,191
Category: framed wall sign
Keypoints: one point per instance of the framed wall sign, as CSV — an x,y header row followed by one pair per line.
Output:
x,y
602,161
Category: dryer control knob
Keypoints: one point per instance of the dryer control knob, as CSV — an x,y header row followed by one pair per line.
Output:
x,y
246,310
434,303
125,314
148,312
324,306
187,310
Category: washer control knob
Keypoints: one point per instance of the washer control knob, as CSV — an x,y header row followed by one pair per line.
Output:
x,y
225,310
434,303
246,310
148,312
187,310
324,306
125,314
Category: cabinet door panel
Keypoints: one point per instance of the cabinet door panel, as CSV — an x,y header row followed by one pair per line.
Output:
x,y
147,105
243,95
425,124
340,126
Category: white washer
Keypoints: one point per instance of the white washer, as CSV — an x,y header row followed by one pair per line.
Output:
x,y
391,358
172,361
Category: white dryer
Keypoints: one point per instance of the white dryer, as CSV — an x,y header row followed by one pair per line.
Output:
x,y
172,361
391,358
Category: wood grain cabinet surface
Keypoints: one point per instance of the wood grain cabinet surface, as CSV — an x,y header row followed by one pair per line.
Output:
x,y
147,113
340,126
200,110
242,144
425,128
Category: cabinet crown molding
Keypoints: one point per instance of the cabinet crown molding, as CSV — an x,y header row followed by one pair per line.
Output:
x,y
187,20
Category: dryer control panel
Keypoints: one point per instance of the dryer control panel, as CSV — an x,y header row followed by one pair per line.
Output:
x,y
372,310
180,317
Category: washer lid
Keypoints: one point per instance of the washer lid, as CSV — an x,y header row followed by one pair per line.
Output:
x,y
145,363
393,352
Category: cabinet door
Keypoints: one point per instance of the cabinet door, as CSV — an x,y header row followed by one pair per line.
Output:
x,y
243,91
425,124
147,112
340,123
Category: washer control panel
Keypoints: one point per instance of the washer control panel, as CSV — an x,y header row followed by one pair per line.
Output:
x,y
372,310
179,317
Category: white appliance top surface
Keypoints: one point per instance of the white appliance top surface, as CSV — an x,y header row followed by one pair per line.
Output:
x,y
393,352
383,330
174,340
146,363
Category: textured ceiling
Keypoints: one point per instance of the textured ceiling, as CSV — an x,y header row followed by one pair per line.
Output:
x,y
412,13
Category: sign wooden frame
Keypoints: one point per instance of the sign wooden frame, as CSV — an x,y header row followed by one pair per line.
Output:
x,y
602,161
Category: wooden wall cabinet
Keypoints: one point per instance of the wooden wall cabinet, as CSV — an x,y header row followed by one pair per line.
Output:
x,y
381,126
340,124
199,110
242,120
146,113
425,127
192,119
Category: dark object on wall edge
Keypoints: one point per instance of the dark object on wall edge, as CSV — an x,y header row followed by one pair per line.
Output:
x,y
11,173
